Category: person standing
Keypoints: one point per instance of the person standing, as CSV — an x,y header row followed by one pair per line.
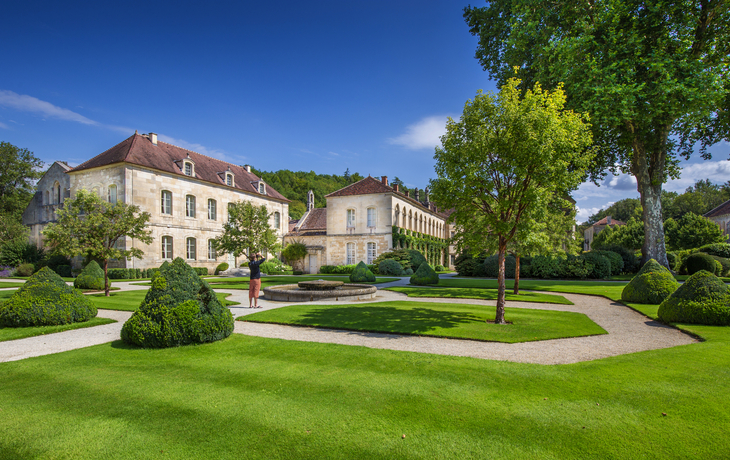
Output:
x,y
254,286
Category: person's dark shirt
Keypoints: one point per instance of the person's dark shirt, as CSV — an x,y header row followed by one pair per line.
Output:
x,y
254,267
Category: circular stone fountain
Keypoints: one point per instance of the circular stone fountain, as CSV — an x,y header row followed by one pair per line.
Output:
x,y
306,291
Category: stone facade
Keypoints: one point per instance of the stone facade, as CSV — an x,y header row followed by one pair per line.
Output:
x,y
51,190
721,216
590,233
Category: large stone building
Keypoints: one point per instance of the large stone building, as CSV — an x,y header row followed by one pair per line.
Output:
x,y
51,190
595,229
187,195
361,222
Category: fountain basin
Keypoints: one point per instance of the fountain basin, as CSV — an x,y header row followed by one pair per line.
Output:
x,y
320,285
293,293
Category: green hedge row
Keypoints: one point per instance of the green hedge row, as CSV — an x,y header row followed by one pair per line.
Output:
x,y
140,273
344,269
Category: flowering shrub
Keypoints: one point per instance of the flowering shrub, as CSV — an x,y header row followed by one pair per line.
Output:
x,y
5,271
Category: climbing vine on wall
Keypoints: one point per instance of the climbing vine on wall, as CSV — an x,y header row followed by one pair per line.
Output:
x,y
432,247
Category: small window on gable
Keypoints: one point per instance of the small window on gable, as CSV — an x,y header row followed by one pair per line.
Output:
x,y
229,179
188,168
262,187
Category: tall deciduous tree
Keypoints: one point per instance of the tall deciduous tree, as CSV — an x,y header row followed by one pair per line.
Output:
x,y
651,74
91,226
503,162
247,231
18,173
692,231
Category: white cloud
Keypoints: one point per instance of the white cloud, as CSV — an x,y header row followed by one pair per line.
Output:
x,y
582,214
715,171
26,103
4,126
423,134
215,153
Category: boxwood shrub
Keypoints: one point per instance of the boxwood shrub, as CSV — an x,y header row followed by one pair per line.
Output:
x,y
700,261
221,268
652,285
716,249
491,266
91,277
617,262
180,308
415,258
63,270
390,267
362,274
25,269
725,263
631,262
46,300
425,275
601,265
702,299
547,267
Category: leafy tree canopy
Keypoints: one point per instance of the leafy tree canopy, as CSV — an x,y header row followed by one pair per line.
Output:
x,y
692,231
91,226
652,76
20,169
247,231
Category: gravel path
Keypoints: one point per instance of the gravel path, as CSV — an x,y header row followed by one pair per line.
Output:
x,y
628,332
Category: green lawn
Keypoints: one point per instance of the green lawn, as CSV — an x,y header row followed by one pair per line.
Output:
x,y
131,300
609,289
14,333
255,398
242,283
435,319
5,285
478,293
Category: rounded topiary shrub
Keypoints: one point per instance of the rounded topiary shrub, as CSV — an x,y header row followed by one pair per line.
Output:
x,y
415,258
91,277
390,267
716,249
631,262
547,267
361,274
601,265
46,300
25,269
617,262
221,268
700,261
180,308
651,285
425,275
702,299
491,266
408,272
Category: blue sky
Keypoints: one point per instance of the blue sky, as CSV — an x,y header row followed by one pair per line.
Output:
x,y
321,86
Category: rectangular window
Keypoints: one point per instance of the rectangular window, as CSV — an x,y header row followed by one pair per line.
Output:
x,y
189,206
350,253
211,250
229,180
277,221
350,218
371,217
166,202
372,252
112,195
167,247
211,209
191,249
453,260
188,169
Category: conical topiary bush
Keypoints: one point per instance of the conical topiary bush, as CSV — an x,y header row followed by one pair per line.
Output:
x,y
702,299
91,277
651,285
425,275
362,274
46,300
179,309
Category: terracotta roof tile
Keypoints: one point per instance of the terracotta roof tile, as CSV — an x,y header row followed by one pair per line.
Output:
x,y
720,210
316,220
139,150
604,221
366,186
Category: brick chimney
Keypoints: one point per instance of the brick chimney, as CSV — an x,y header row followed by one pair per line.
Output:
x,y
408,193
395,187
153,138
384,180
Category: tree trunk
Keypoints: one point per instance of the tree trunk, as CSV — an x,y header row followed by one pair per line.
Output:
x,y
517,274
499,318
106,277
654,247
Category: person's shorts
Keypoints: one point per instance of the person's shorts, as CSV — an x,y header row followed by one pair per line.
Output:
x,y
254,286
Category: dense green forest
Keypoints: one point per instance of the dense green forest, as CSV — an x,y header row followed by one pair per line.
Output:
x,y
295,184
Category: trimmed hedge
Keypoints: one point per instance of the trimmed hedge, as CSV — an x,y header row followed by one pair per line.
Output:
x,y
25,269
46,300
362,274
617,262
221,268
390,267
415,258
408,272
344,269
652,285
491,266
601,265
700,261
180,308
547,267
631,263
716,249
399,255
702,299
425,275
63,270
725,263
91,277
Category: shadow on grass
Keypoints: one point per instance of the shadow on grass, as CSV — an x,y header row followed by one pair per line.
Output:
x,y
387,319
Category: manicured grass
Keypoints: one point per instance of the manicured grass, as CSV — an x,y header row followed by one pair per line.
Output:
x,y
478,293
14,333
4,295
609,289
435,319
242,283
131,300
6,285
255,398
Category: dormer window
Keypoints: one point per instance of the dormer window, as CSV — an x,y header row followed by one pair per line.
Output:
x,y
188,168
229,179
260,186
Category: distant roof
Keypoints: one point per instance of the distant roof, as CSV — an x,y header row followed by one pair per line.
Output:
x,y
370,185
720,210
63,165
604,221
316,220
139,150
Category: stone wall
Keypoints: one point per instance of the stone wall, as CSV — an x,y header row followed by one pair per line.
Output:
x,y
46,202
